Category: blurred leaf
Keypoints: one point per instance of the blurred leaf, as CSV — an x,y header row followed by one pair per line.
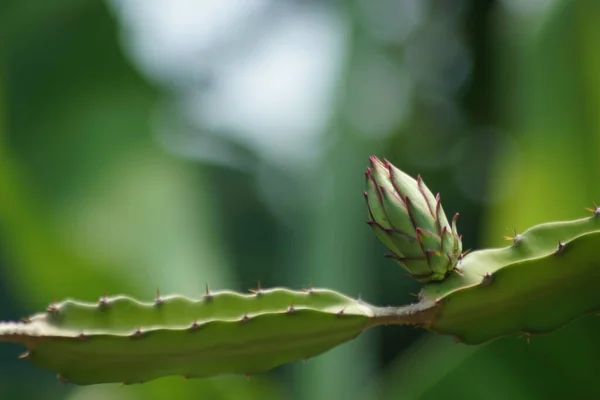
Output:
x,y
89,201
221,388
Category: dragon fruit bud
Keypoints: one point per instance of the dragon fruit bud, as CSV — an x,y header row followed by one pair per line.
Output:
x,y
410,222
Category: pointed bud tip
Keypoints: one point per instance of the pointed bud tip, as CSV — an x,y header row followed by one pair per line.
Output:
x,y
375,161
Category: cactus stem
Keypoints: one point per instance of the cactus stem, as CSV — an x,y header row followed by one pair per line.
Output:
x,y
418,314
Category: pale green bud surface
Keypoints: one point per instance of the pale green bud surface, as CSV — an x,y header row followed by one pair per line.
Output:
x,y
410,222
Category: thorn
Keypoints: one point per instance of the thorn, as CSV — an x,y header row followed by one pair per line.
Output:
x,y
341,312
487,279
137,333
458,271
515,239
82,336
247,377
258,291
208,295
560,248
457,340
122,384
310,289
414,294
185,378
527,337
245,318
25,320
61,378
103,302
159,300
195,325
52,309
291,309
25,355
455,218
595,210
463,254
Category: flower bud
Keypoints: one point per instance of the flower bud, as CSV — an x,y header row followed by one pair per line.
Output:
x,y
410,222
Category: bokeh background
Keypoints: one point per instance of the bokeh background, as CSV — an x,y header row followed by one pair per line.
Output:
x,y
146,144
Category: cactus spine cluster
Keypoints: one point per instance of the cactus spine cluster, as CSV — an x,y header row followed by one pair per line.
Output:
x,y
546,278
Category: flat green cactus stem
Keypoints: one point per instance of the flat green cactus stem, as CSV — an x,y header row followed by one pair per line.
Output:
x,y
119,339
547,277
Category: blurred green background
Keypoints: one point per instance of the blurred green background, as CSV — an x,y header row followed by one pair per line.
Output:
x,y
149,144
